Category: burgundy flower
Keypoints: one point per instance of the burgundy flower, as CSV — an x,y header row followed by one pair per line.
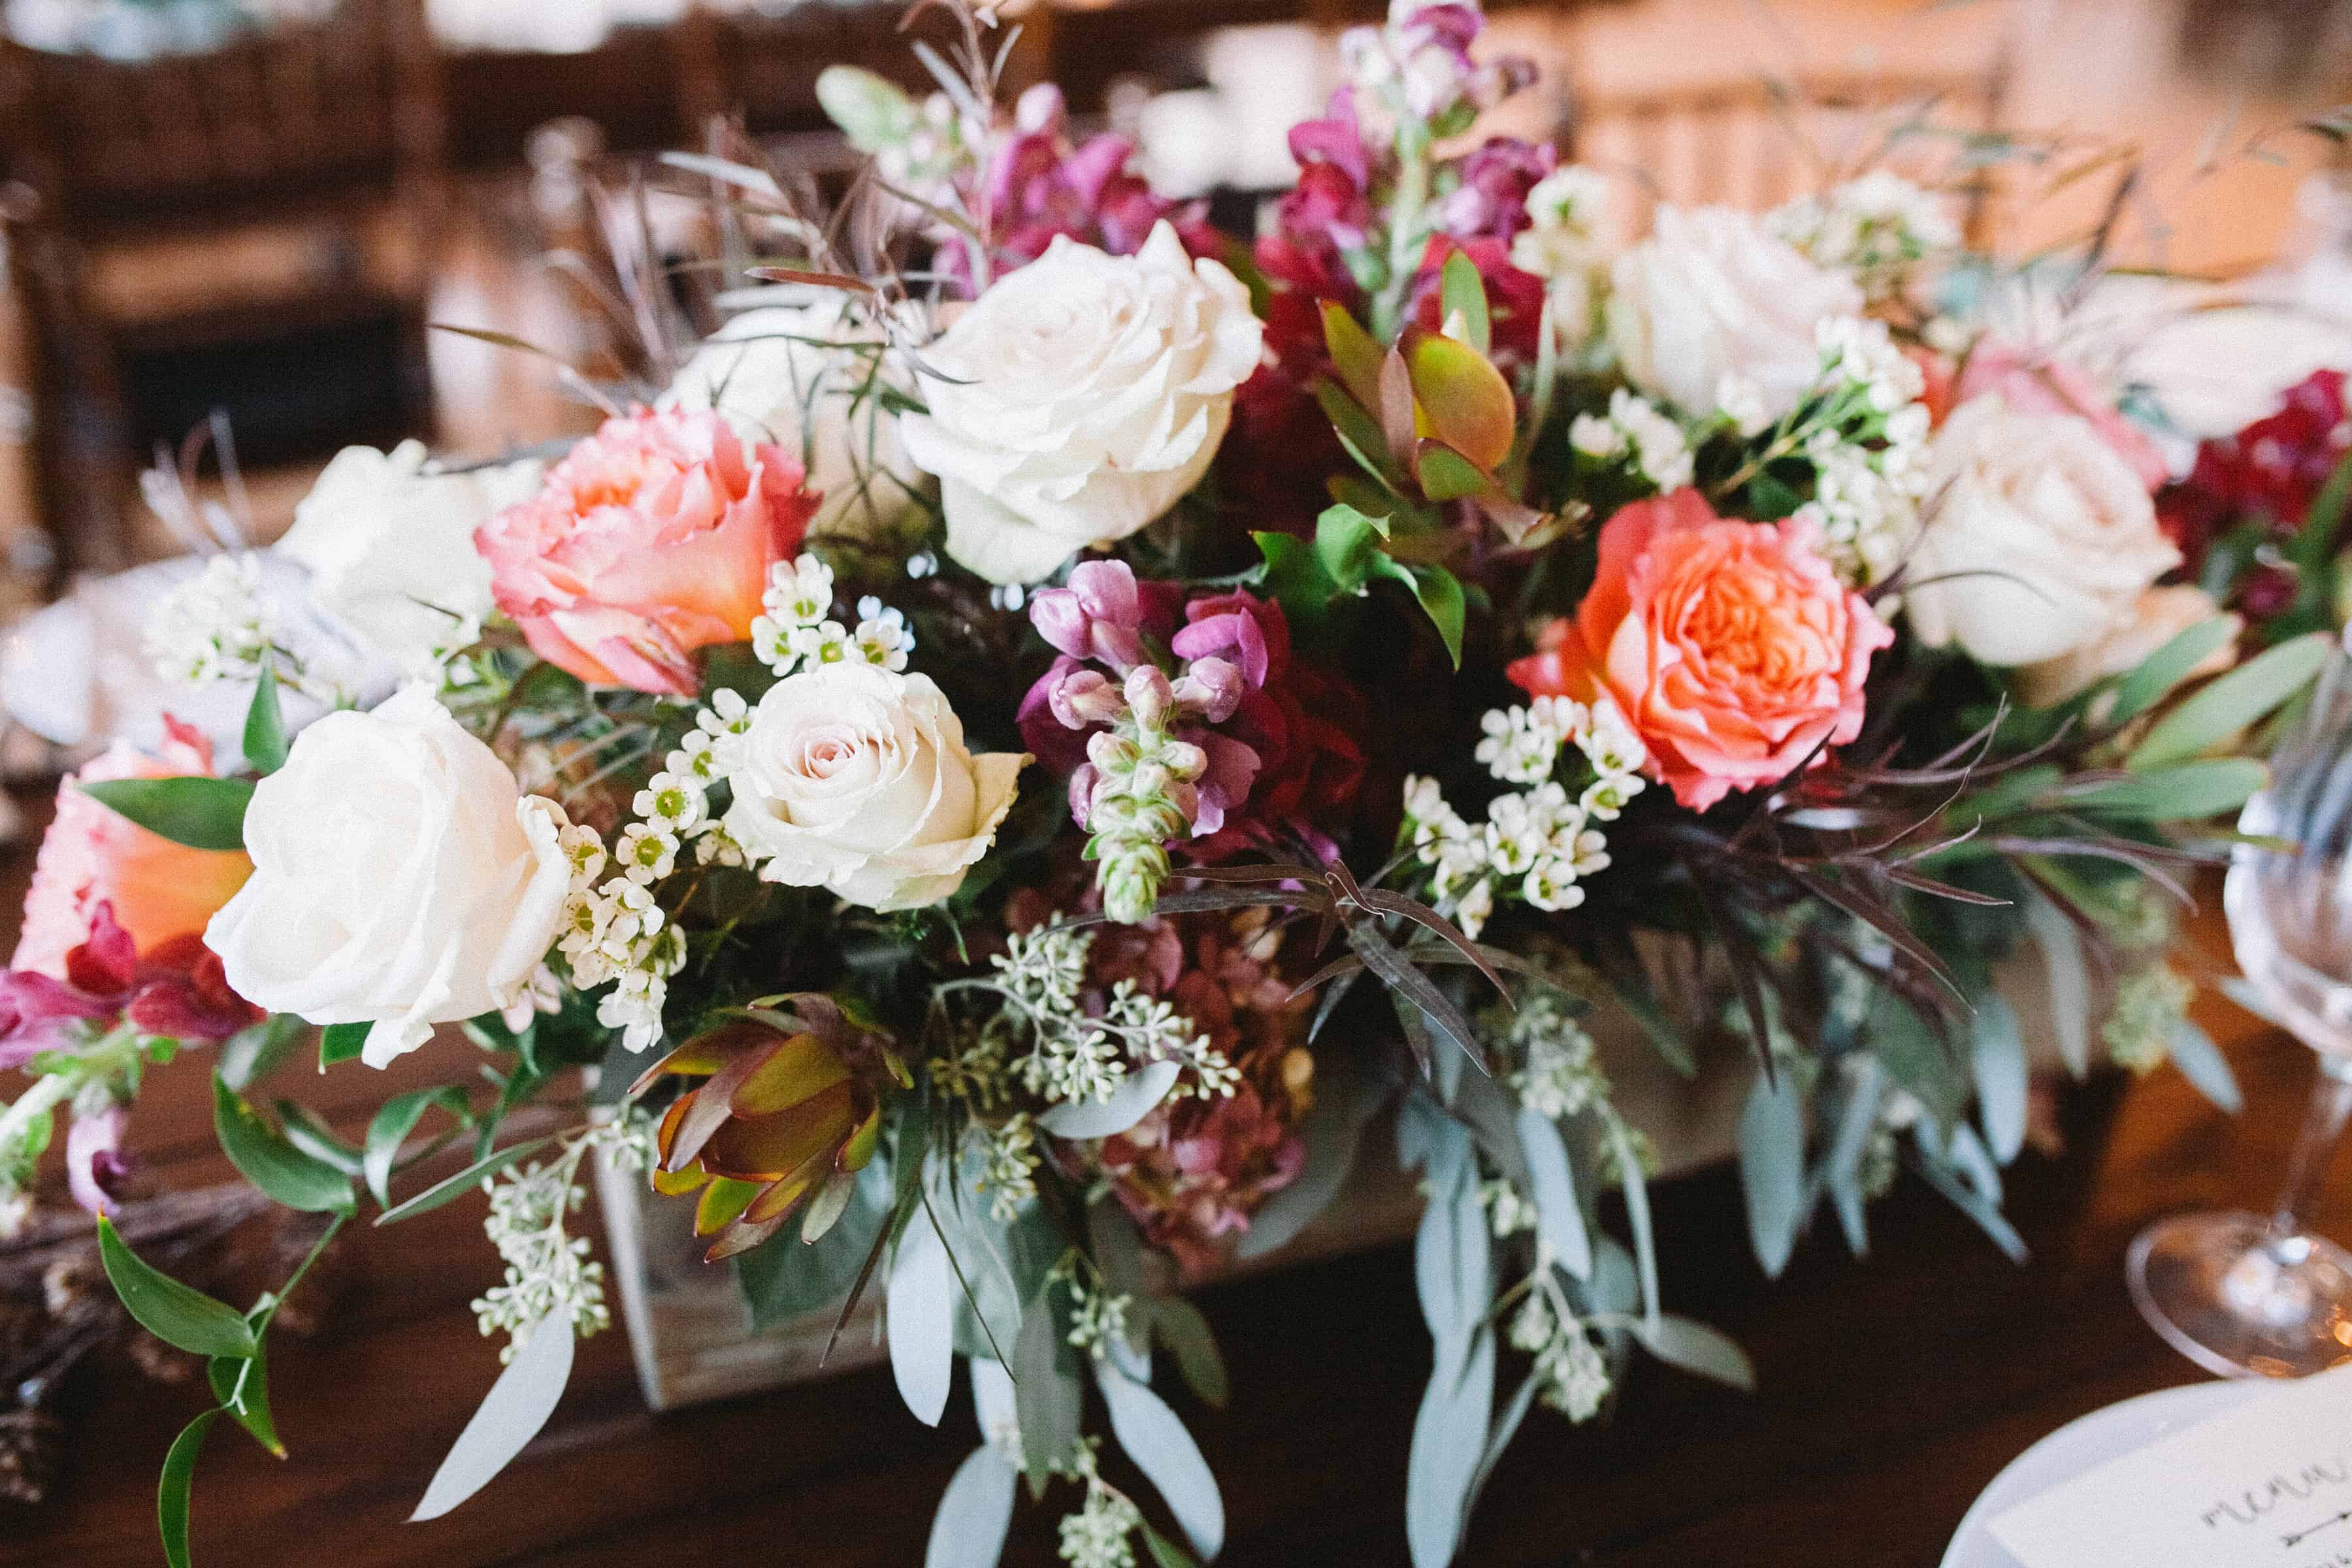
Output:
x,y
1514,299
1491,203
2269,472
174,989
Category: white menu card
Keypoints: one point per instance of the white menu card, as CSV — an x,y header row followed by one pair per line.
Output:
x,y
2265,1485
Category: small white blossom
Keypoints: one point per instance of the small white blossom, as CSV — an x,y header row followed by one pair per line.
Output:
x,y
646,852
1741,401
671,802
583,847
214,627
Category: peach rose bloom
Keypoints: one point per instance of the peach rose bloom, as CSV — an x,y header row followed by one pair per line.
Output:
x,y
651,539
2038,384
92,855
1731,647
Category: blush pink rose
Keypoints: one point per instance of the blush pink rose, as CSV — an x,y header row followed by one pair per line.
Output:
x,y
2039,384
92,856
1731,647
651,539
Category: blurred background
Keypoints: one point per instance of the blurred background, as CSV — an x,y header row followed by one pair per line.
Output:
x,y
252,208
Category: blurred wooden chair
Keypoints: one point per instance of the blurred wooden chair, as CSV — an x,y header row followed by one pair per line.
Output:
x,y
1755,144
241,226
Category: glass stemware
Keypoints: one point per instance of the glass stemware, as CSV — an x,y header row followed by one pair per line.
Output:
x,y
2244,1294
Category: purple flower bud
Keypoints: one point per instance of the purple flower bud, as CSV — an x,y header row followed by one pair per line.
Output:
x,y
1212,688
1099,616
94,1167
1148,693
1083,698
1082,793
1109,754
1183,760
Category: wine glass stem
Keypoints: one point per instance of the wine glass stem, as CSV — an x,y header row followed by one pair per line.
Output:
x,y
2323,1126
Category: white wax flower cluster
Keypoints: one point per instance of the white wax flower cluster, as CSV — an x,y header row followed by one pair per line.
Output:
x,y
1539,844
1877,229
797,630
1636,432
1869,450
214,627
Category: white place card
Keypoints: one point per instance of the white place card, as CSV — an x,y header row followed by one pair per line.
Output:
x,y
2266,1485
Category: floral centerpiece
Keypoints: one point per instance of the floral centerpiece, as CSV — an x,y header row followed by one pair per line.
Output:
x,y
1056,720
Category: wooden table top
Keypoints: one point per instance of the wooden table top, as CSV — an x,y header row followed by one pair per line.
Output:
x,y
1893,1389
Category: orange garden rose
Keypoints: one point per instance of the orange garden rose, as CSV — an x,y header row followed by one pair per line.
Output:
x,y
93,856
1731,647
651,539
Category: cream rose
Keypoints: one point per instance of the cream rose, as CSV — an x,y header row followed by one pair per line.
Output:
x,y
1078,399
793,375
390,547
400,878
2159,616
1713,293
857,780
2039,538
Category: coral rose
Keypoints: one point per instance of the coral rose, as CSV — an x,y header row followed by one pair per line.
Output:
x,y
651,539
1731,647
92,856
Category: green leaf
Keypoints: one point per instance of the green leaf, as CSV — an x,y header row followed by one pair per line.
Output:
x,y
1440,592
2229,703
393,1122
2168,666
179,1315
1165,1553
1772,1169
253,1054
242,1386
451,1188
1347,546
263,1155
1463,293
1295,578
172,1492
1447,475
784,1278
2185,791
340,1043
264,725
200,813
1357,431
308,1131
871,112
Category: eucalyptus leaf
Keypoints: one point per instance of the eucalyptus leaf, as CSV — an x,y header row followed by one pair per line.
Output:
x,y
974,1512
2070,982
1970,1202
1772,1170
1449,1434
1137,1096
1180,1326
1559,1218
2201,1063
1156,1441
1047,1398
512,1414
2176,792
1999,1053
1452,1262
1347,1093
919,1311
179,1315
2168,666
1637,1217
1165,1553
1694,1347
784,1278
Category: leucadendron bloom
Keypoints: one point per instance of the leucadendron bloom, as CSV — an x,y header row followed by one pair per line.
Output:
x,y
401,879
2039,538
1078,399
857,779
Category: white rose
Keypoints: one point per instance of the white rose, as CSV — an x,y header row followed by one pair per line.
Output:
x,y
400,878
2158,616
1089,393
771,374
2038,541
1713,292
390,548
857,780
